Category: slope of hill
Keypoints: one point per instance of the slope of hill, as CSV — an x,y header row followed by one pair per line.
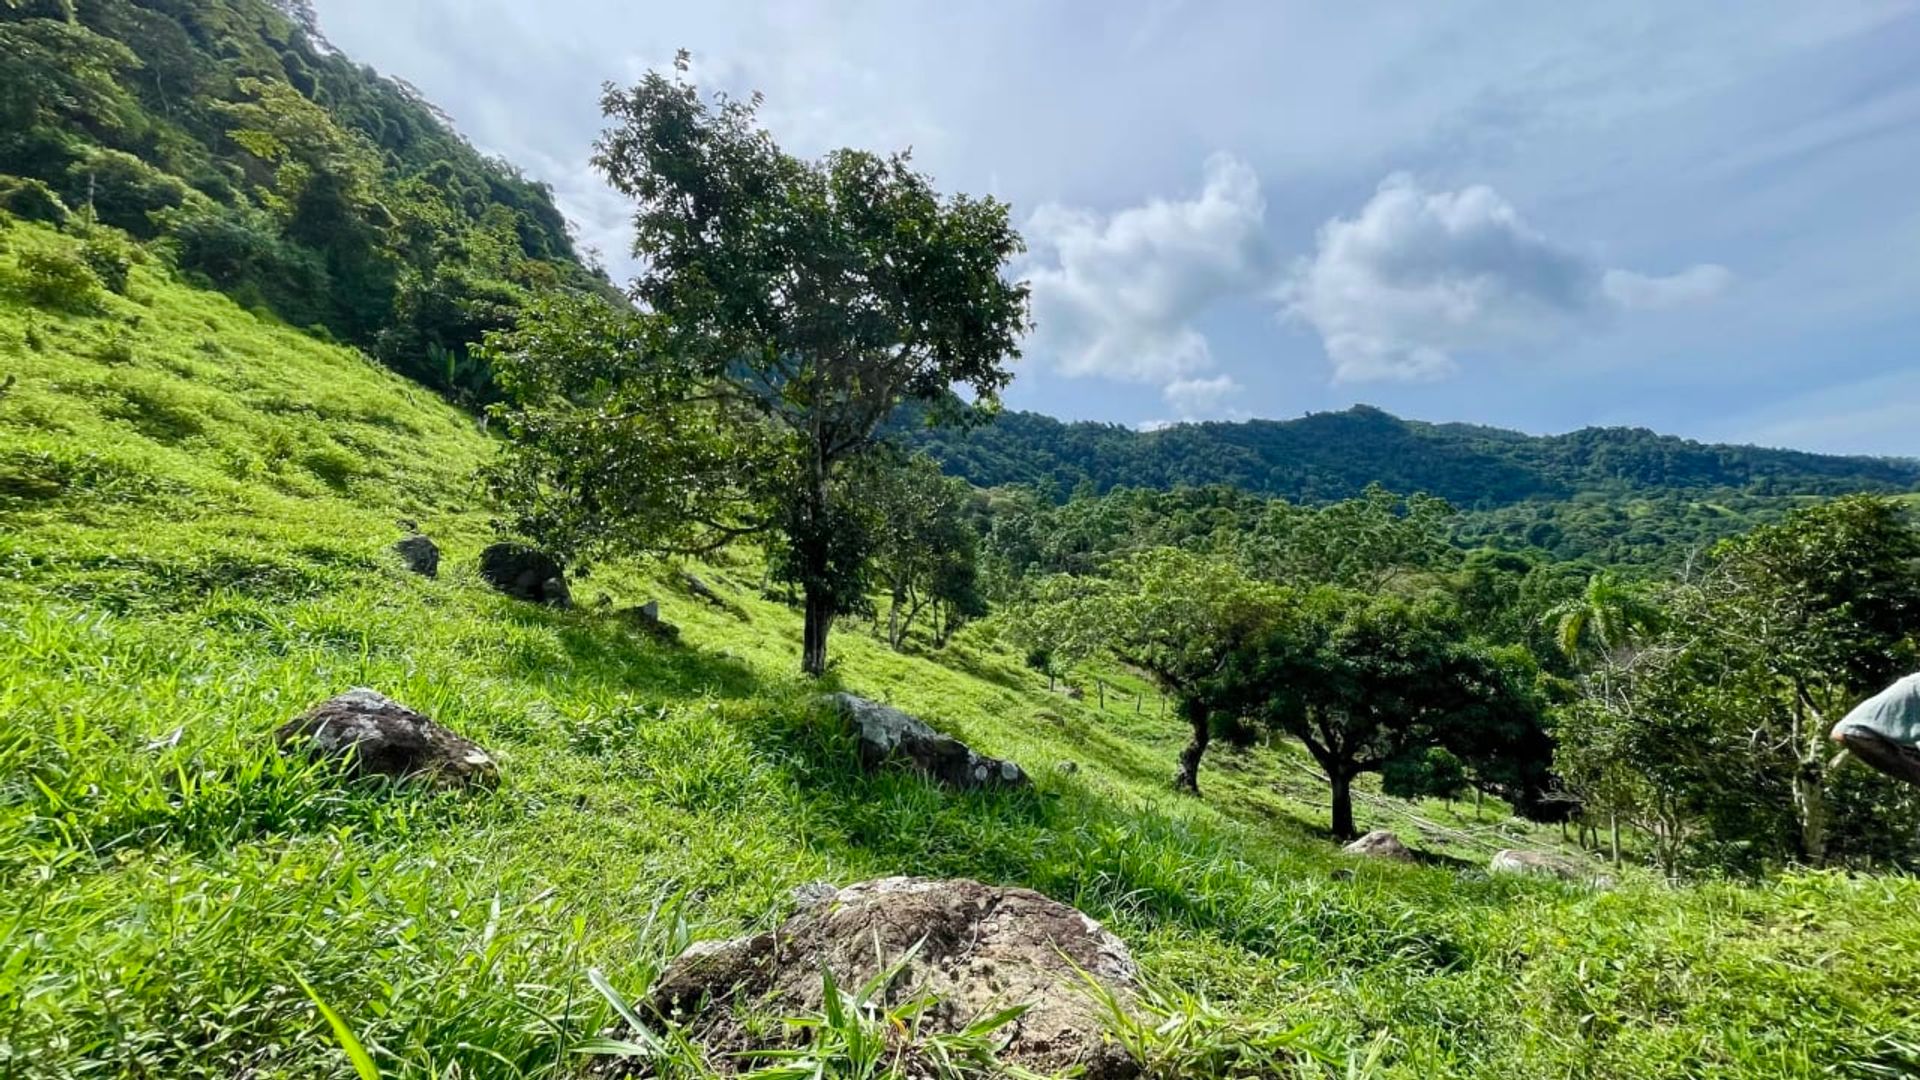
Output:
x,y
195,509
275,169
1326,456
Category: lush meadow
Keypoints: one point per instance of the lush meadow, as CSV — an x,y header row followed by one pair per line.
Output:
x,y
196,506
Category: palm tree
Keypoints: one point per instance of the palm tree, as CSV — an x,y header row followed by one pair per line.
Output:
x,y
1607,615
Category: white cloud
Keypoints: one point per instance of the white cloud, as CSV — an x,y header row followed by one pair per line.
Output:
x,y
1195,399
1689,286
1418,277
1117,295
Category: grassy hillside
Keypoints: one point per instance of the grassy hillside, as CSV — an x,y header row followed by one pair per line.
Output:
x,y
195,507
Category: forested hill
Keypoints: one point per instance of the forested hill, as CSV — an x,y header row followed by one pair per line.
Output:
x,y
1335,455
274,168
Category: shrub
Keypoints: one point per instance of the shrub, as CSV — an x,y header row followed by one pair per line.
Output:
x,y
31,199
59,280
117,349
334,465
110,257
123,190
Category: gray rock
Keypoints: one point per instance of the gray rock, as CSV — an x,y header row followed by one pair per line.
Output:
x,y
981,948
525,573
375,735
702,590
647,618
1067,768
1533,863
813,893
1380,844
418,554
889,735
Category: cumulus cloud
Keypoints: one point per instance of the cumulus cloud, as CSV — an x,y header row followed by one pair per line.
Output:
x,y
1194,399
1117,295
1418,277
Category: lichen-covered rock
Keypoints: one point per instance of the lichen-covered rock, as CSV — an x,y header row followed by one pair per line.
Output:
x,y
888,735
376,735
981,949
1380,844
1534,863
418,554
525,573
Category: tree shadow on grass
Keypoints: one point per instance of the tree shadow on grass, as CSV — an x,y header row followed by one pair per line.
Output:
x,y
608,647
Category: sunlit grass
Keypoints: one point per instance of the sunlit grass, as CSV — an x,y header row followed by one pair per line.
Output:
x,y
193,547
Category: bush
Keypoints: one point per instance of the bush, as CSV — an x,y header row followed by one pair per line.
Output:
x,y
117,349
124,191
243,255
60,281
31,199
110,257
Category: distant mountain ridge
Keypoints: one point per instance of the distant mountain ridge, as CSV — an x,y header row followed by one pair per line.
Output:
x,y
1334,455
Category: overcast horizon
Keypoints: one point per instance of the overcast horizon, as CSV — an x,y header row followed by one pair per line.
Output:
x,y
1696,221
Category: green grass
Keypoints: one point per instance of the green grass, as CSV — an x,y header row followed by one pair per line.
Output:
x,y
193,547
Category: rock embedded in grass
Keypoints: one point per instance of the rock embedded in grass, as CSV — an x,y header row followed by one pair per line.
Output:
x,y
376,735
1380,844
980,949
418,554
888,735
525,573
1533,863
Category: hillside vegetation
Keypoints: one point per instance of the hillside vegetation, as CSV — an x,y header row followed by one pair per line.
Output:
x,y
196,504
274,168
1614,495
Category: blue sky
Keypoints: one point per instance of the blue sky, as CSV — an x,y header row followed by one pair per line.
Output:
x,y
1701,218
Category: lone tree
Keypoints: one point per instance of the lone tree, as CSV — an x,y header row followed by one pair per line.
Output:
x,y
1380,684
786,309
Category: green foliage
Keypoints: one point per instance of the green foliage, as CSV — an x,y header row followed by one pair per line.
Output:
x,y
109,256
788,316
1713,733
278,170
1607,616
164,874
1370,683
30,199
1617,496
925,550
58,280
1329,456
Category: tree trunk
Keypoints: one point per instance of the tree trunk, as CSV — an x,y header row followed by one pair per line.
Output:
x,y
1188,778
1342,805
893,622
1810,806
1613,827
819,619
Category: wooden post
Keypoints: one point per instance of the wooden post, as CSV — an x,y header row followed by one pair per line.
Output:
x,y
1102,685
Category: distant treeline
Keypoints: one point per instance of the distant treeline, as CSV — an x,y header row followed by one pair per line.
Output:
x,y
1612,495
